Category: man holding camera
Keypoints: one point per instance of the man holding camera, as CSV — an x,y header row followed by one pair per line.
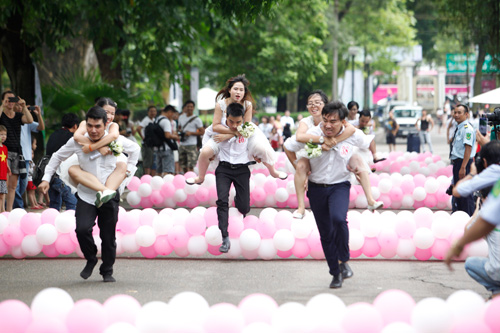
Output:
x,y
190,127
462,152
26,145
13,120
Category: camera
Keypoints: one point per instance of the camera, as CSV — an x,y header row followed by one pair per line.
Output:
x,y
22,167
13,99
494,117
449,190
182,136
32,108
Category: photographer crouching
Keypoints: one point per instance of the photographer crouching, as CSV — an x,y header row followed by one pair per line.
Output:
x,y
485,172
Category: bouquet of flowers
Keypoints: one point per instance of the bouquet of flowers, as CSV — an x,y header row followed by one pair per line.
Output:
x,y
116,148
313,150
246,130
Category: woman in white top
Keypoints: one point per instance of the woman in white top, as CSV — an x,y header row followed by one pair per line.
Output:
x,y
235,91
105,192
315,103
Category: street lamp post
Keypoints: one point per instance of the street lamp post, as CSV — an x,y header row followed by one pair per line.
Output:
x,y
368,61
353,51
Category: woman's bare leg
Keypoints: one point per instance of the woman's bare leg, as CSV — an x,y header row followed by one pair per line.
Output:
x,y
85,178
117,176
273,172
357,165
292,157
206,154
301,173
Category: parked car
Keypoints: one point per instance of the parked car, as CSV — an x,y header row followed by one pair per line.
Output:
x,y
407,117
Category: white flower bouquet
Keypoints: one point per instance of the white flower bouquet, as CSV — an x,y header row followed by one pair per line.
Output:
x,y
313,150
246,130
116,148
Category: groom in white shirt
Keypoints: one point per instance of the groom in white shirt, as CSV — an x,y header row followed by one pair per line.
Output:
x,y
329,186
86,211
232,169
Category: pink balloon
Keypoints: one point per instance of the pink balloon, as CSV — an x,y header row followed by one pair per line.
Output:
x,y
12,235
314,241
223,317
179,181
270,186
167,190
190,174
162,246
386,200
202,194
178,237
214,250
146,203
95,230
491,317
292,201
388,240
134,183
405,228
121,308
4,247
29,223
156,198
396,204
372,319
77,320
15,316
64,244
147,216
388,253
430,201
46,325
266,229
440,247
281,204
396,194
235,227
195,224
182,252
49,215
50,251
407,186
250,255
357,253
258,194
470,325
128,224
352,194
258,308
394,306
284,254
371,248
374,179
419,180
148,252
191,201
210,216
282,220
423,255
146,179
282,182
423,218
300,248
418,204
251,222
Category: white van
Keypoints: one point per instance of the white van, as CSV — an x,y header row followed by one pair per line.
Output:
x,y
406,117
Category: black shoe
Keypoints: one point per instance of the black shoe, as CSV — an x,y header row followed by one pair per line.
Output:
x,y
108,278
346,270
89,267
226,245
337,281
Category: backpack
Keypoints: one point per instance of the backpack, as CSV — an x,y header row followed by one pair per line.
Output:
x,y
39,170
154,136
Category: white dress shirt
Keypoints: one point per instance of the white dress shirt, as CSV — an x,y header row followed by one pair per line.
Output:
x,y
331,166
287,120
94,163
234,150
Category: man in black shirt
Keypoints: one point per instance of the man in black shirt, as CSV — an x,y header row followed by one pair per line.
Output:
x,y
58,191
13,113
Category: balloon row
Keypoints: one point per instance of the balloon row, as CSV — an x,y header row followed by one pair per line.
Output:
x,y
422,234
413,163
396,191
392,311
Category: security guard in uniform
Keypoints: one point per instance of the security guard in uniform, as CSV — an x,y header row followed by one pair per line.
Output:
x,y
462,152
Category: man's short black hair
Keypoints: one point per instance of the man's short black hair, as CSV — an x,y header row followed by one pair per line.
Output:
x,y
491,152
188,102
7,92
466,108
365,113
69,120
97,112
235,110
335,107
169,108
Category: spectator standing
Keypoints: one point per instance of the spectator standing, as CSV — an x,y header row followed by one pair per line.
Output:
x,y
148,155
424,132
12,120
190,128
299,118
165,162
26,147
4,167
392,128
265,126
462,152
59,192
286,119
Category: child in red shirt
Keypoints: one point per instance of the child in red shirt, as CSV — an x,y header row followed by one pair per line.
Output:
x,y
4,167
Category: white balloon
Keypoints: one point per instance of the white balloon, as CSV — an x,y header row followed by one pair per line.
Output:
x,y
133,198
326,309
197,245
432,315
188,308
478,248
431,185
405,170
153,317
168,178
46,234
180,215
145,236
419,194
235,250
180,195
268,214
290,188
190,189
370,226
466,304
356,239
51,303
156,183
65,223
162,224
129,244
407,201
16,215
406,248
250,240
385,185
283,240
361,202
291,317
281,195
259,179
213,235
267,251
399,327
301,228
414,166
441,225
3,223
121,327
375,193
209,181
30,246
144,190
423,238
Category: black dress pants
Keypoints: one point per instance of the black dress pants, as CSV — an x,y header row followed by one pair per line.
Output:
x,y
224,177
465,204
107,217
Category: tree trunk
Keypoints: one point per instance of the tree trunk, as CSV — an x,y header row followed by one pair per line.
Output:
x,y
479,71
186,84
111,72
16,56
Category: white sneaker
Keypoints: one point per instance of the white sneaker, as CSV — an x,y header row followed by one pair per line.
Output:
x,y
104,196
297,215
375,206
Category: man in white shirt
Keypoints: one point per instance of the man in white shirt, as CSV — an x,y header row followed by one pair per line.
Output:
x,y
329,186
148,155
191,128
165,162
86,212
286,119
232,169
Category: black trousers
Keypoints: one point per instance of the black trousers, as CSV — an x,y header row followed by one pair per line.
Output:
x,y
465,204
329,206
107,216
224,177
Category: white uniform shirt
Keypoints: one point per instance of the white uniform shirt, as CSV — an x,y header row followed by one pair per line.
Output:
x,y
234,150
331,166
490,211
94,163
